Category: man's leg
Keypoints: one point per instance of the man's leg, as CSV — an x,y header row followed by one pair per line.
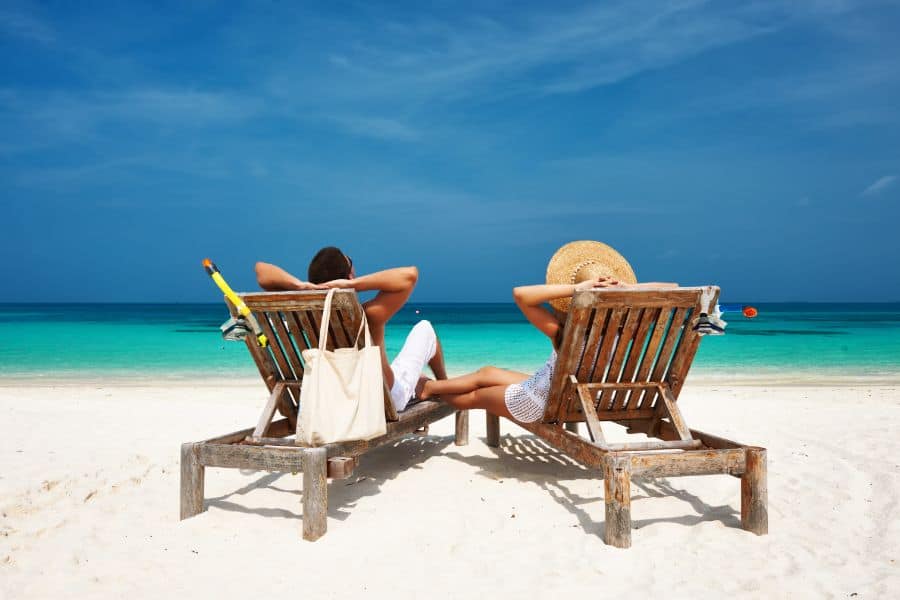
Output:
x,y
419,349
437,362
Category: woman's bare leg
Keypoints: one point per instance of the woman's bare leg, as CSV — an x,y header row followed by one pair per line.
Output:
x,y
492,399
482,378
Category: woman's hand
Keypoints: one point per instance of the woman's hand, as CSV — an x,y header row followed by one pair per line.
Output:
x,y
597,283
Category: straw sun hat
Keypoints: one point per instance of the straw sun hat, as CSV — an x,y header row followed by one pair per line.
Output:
x,y
579,261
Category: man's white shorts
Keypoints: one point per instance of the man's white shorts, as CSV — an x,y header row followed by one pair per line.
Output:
x,y
417,351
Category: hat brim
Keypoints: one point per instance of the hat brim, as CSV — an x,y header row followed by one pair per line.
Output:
x,y
566,262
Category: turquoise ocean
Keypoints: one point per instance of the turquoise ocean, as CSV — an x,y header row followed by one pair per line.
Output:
x,y
142,342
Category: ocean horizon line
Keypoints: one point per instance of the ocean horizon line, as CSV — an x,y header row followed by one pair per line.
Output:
x,y
409,304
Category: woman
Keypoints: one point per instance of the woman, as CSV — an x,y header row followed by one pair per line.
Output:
x,y
587,265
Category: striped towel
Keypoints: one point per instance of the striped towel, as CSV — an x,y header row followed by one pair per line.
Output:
x,y
709,322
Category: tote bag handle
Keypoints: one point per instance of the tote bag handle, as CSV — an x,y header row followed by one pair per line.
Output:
x,y
326,317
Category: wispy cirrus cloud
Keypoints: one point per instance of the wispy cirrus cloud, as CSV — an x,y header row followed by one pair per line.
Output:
x,y
540,51
19,24
70,112
377,127
879,185
543,52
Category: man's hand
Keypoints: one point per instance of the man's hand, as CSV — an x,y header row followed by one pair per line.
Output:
x,y
337,283
306,285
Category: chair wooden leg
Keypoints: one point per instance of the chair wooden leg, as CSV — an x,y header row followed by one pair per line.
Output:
x,y
192,480
493,430
572,426
315,493
755,493
462,428
617,491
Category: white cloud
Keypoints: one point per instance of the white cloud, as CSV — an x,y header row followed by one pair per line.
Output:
x,y
881,184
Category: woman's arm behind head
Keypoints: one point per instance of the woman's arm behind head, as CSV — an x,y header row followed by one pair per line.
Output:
x,y
530,298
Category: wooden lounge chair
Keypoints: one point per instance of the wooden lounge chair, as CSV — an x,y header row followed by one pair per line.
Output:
x,y
623,359
291,322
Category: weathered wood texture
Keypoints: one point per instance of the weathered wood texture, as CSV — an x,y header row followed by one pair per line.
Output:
x,y
226,452
645,462
462,428
668,407
576,447
644,446
590,415
265,418
623,345
617,492
279,428
192,481
755,493
667,432
492,424
315,493
341,467
690,462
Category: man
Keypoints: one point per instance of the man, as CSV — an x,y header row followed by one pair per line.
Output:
x,y
331,268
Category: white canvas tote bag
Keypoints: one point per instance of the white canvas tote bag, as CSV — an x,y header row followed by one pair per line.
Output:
x,y
342,397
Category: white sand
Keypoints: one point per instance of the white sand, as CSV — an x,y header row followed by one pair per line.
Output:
x,y
89,500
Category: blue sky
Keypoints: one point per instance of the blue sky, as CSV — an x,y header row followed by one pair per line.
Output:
x,y
751,144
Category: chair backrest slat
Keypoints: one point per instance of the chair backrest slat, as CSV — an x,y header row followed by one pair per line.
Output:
x,y
648,358
645,326
284,351
568,361
342,340
296,329
595,325
287,374
627,338
288,346
672,336
600,363
687,349
307,323
623,348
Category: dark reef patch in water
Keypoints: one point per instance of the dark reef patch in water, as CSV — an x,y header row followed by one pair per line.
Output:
x,y
770,332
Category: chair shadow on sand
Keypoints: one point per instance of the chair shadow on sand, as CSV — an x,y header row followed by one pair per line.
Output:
x,y
528,458
376,467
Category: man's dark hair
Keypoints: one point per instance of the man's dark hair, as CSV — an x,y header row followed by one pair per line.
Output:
x,y
328,264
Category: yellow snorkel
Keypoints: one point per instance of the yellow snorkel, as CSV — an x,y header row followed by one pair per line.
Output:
x,y
239,305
